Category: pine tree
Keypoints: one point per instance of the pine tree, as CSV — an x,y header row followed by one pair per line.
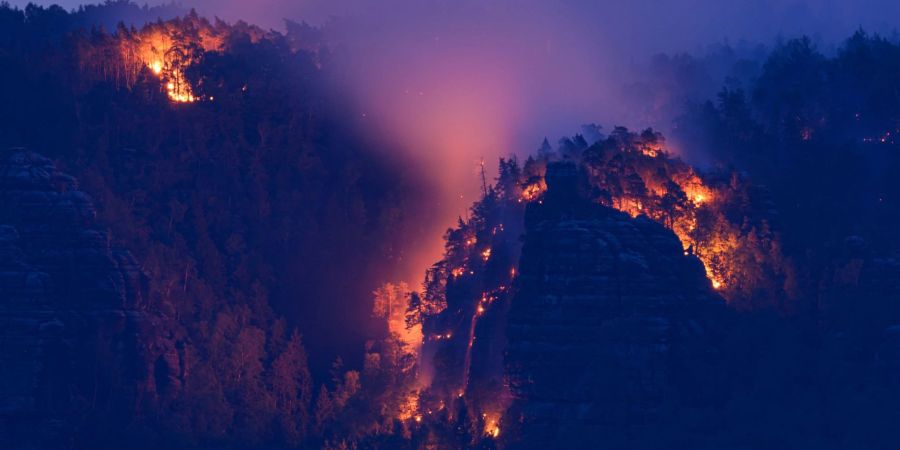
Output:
x,y
292,389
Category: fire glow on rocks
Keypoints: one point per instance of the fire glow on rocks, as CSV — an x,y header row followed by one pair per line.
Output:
x,y
467,292
674,202
681,220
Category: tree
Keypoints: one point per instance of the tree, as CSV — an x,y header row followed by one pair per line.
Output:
x,y
414,310
292,390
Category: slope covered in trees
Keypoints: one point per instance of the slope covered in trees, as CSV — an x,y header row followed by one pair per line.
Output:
x,y
263,221
247,211
819,131
810,239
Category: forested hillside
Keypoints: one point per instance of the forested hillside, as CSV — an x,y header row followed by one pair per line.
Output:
x,y
204,248
247,211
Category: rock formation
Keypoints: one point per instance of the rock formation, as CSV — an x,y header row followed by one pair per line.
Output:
x,y
611,321
76,341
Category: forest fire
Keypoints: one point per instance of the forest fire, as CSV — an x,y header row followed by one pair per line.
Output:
x,y
202,276
166,50
392,301
533,190
409,408
461,310
635,174
491,425
674,201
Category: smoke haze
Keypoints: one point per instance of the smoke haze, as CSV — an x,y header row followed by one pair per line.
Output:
x,y
451,82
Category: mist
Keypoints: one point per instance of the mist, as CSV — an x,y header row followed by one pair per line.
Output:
x,y
449,83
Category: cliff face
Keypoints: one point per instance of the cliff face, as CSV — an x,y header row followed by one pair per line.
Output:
x,y
76,341
611,322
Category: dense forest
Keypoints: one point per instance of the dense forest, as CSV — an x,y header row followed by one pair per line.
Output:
x,y
271,231
242,211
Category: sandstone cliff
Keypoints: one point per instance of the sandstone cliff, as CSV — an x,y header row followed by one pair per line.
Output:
x,y
611,321
76,341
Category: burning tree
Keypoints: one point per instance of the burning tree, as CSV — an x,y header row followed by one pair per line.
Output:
x,y
714,217
163,50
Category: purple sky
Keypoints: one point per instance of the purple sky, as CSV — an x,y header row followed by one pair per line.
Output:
x,y
657,25
451,81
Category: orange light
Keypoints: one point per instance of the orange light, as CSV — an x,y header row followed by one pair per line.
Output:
x,y
491,425
153,49
533,191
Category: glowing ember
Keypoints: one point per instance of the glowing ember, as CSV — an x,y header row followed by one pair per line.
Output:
x,y
533,191
491,425
441,337
409,407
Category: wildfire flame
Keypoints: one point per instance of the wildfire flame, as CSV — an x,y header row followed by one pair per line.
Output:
x,y
711,250
409,408
167,55
533,191
164,49
639,180
491,425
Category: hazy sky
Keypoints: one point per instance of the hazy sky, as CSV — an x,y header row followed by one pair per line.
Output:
x,y
451,81
647,24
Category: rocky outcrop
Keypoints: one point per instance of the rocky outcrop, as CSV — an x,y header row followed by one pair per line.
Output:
x,y
76,339
858,307
611,322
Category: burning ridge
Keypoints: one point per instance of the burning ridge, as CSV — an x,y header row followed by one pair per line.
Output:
x,y
718,218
